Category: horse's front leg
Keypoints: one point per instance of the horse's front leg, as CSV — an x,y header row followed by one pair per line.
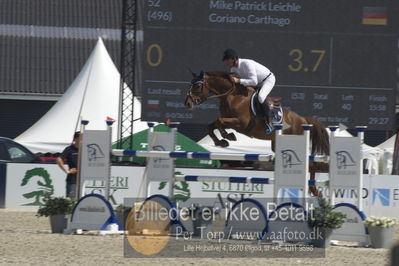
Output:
x,y
216,141
222,123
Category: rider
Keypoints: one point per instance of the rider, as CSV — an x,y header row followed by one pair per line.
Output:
x,y
251,73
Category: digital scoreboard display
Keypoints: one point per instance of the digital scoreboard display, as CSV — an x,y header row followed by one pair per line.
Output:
x,y
335,60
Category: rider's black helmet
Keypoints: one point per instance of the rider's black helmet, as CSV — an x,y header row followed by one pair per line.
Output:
x,y
229,54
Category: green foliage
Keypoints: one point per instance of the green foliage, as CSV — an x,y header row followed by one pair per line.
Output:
x,y
379,221
324,217
55,205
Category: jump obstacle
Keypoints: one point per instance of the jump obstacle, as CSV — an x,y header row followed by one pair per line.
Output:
x,y
290,147
291,167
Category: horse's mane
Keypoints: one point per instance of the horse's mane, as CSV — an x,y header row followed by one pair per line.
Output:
x,y
240,89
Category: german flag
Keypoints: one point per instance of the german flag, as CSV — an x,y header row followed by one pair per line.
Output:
x,y
375,16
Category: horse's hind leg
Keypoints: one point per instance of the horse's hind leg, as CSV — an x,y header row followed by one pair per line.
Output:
x,y
218,142
313,188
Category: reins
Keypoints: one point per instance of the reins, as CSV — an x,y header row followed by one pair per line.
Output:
x,y
224,94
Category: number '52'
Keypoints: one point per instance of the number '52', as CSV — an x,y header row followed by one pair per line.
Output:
x,y
154,3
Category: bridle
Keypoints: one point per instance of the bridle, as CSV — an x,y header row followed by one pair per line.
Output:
x,y
203,84
190,92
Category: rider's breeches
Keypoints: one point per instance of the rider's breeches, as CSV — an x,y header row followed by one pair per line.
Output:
x,y
266,88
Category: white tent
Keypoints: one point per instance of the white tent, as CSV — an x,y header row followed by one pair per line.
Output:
x,y
243,144
386,159
388,144
93,96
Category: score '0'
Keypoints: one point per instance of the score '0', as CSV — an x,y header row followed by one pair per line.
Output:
x,y
159,55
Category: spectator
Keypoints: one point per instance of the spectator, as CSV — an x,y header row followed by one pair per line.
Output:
x,y
70,156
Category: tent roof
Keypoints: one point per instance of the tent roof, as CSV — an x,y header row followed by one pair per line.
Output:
x,y
93,96
388,144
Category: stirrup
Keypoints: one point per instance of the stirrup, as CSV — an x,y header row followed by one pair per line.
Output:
x,y
269,128
277,115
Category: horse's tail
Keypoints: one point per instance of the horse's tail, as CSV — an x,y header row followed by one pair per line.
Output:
x,y
319,137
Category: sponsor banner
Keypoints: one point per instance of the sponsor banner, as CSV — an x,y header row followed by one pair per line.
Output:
x,y
125,182
219,191
380,193
26,185
91,212
353,228
383,195
231,191
3,167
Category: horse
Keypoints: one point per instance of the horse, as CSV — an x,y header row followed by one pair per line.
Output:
x,y
236,113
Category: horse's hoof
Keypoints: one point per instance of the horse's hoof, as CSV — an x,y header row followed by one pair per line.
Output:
x,y
231,136
222,143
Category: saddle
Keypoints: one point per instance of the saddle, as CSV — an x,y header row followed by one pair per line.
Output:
x,y
256,107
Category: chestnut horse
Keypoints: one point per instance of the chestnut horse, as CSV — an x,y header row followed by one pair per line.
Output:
x,y
236,113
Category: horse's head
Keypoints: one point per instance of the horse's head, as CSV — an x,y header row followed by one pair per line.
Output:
x,y
198,91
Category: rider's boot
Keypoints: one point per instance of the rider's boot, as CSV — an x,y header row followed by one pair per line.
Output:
x,y
266,110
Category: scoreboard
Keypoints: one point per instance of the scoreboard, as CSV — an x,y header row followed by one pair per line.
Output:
x,y
335,60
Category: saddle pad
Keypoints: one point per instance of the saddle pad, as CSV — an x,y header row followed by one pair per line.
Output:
x,y
254,106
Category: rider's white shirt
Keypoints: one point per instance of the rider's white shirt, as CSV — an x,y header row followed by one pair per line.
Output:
x,y
250,72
